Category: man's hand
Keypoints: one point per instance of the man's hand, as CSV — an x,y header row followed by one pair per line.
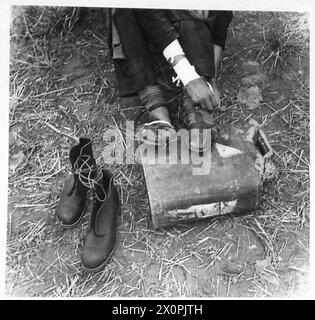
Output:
x,y
201,94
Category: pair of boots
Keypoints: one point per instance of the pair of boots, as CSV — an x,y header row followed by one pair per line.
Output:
x,y
100,239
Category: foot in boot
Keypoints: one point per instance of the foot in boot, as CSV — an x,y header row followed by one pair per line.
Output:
x,y
200,124
201,130
73,199
100,239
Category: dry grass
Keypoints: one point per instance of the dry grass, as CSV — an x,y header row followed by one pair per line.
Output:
x,y
62,86
285,34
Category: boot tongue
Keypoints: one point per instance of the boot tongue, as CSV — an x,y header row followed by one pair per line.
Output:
x,y
83,162
84,147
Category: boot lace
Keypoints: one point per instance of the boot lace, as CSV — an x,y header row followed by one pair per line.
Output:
x,y
84,170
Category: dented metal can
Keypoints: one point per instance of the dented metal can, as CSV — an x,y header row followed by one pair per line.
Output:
x,y
233,184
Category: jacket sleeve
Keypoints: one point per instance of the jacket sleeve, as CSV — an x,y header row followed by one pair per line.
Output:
x,y
220,27
157,27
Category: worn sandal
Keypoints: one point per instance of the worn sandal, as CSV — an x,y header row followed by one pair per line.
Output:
x,y
156,132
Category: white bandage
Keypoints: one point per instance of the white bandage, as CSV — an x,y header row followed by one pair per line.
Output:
x,y
185,71
172,50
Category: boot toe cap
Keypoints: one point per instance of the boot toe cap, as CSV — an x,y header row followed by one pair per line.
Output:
x,y
93,258
66,217
96,251
69,213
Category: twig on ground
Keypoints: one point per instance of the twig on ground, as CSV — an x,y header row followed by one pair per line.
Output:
x,y
75,138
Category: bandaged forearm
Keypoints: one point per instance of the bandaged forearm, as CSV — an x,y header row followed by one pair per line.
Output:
x,y
184,70
172,50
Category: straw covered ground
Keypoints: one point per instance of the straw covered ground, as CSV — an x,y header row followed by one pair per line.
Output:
x,y
62,84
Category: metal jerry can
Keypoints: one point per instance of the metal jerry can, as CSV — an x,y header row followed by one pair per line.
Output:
x,y
238,156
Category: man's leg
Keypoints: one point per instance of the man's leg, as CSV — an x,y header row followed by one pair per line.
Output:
x,y
196,41
153,99
134,73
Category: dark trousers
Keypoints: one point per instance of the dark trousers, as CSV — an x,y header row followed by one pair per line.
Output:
x,y
143,66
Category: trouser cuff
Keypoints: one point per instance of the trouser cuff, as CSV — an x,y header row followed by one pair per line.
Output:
x,y
151,97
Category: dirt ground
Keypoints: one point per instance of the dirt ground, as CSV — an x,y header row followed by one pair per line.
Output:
x,y
72,87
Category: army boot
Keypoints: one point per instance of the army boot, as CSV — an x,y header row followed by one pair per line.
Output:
x,y
100,239
72,202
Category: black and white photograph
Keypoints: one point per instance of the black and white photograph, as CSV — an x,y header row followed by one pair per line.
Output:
x,y
158,152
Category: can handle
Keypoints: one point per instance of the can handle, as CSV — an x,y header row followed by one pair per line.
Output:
x,y
262,144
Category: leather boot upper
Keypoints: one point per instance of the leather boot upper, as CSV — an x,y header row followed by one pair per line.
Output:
x,y
100,240
73,199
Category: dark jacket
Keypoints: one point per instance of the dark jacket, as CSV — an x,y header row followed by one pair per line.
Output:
x,y
160,25
139,36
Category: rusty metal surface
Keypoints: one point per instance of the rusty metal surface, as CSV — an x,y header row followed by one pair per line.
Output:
x,y
232,185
